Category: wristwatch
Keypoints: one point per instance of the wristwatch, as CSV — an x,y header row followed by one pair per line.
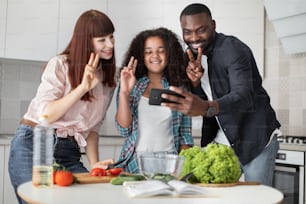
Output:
x,y
211,111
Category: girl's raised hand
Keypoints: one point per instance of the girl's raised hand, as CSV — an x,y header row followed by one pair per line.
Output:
x,y
127,76
90,79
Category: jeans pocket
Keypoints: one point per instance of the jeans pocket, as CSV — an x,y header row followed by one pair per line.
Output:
x,y
24,132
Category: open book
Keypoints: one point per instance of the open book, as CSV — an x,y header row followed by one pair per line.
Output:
x,y
158,188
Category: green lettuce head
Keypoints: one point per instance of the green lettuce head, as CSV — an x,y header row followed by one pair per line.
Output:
x,y
216,163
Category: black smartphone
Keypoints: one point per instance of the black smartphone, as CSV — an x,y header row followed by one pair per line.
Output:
x,y
156,99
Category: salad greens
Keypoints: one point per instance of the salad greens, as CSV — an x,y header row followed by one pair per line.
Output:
x,y
216,163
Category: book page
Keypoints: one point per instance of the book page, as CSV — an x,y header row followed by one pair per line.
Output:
x,y
183,188
147,188
159,188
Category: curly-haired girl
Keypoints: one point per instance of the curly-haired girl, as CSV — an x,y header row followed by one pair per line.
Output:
x,y
155,59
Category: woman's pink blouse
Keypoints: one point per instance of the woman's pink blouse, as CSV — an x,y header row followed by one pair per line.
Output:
x,y
83,117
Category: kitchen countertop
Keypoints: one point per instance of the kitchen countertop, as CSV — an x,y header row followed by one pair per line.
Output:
x,y
108,193
293,147
105,140
5,139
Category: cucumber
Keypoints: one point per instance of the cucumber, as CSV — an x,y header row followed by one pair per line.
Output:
x,y
163,177
122,178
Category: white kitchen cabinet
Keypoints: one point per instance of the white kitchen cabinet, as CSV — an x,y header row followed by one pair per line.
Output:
x,y
31,30
7,194
1,173
133,17
288,18
40,29
69,12
245,20
3,5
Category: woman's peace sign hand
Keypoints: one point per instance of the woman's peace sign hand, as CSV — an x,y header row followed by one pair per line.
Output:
x,y
90,78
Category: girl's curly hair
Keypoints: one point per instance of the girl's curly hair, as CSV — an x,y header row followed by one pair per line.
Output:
x,y
175,71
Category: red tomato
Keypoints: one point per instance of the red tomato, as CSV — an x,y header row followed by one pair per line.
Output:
x,y
98,172
63,178
115,171
54,172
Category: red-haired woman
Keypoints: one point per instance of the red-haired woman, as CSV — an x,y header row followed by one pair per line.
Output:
x,y
75,92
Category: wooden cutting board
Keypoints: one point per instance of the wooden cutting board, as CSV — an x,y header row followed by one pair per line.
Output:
x,y
86,178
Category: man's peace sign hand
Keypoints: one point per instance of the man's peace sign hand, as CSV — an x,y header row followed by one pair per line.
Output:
x,y
194,69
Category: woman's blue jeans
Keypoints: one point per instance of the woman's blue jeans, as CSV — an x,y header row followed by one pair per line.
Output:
x,y
66,153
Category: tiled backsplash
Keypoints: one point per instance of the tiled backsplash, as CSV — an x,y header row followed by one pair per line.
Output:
x,y
19,81
284,80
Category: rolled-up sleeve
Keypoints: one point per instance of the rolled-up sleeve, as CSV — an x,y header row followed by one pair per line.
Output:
x,y
53,83
124,132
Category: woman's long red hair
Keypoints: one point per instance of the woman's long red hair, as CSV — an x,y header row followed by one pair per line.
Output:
x,y
90,24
